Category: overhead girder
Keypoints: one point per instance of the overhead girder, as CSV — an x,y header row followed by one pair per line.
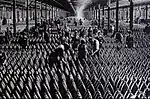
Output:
x,y
62,4
69,5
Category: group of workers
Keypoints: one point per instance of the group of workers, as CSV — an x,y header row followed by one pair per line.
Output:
x,y
83,42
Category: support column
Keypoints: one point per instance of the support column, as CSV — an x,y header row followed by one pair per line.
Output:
x,y
35,14
94,13
97,13
131,15
146,12
92,10
22,14
56,12
30,13
127,15
123,14
14,16
99,16
117,16
46,12
108,17
103,13
89,14
27,15
3,11
52,11
41,12
49,12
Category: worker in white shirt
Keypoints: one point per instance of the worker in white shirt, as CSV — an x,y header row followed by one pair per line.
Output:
x,y
96,47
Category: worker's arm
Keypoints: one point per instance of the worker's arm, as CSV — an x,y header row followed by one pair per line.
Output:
x,y
97,48
95,52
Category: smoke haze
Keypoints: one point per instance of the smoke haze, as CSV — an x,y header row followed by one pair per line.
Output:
x,y
81,6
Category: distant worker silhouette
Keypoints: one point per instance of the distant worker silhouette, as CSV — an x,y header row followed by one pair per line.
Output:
x,y
82,51
58,54
118,37
2,58
147,29
129,40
